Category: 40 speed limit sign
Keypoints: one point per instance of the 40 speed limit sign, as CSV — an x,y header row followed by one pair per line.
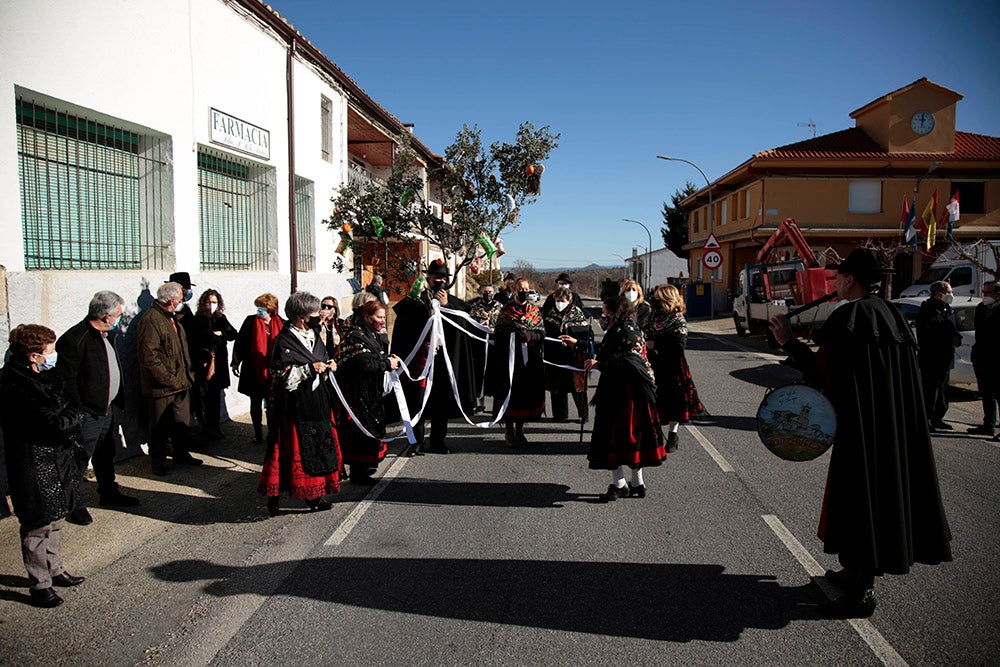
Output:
x,y
712,259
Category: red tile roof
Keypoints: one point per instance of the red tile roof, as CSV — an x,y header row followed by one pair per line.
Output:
x,y
855,143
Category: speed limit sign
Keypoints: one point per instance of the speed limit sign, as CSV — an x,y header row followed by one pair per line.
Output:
x,y
712,259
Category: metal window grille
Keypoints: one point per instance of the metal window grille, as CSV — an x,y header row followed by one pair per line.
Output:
x,y
305,225
93,196
326,128
235,214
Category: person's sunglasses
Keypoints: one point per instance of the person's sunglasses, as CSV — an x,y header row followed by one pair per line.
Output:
x,y
327,306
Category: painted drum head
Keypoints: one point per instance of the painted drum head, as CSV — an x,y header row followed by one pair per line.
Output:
x,y
796,422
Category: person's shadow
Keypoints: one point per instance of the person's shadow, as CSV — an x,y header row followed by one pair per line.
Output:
x,y
672,602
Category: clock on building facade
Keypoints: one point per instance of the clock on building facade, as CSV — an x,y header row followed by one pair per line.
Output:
x,y
922,123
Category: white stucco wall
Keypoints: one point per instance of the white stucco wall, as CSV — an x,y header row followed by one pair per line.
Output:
x,y
161,66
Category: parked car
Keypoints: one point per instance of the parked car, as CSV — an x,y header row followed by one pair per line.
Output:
x,y
965,311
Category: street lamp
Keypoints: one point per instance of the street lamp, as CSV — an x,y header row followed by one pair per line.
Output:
x,y
624,264
932,167
711,211
649,258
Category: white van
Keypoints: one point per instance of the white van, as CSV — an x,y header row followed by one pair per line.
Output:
x,y
965,277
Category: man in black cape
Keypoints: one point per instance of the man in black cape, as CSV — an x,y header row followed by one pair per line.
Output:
x,y
882,508
412,314
562,283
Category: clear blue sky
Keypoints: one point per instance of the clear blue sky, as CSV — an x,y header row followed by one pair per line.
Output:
x,y
712,82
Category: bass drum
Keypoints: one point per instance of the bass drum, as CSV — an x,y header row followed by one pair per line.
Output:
x,y
796,422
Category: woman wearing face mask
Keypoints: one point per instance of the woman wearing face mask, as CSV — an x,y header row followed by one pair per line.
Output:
x,y
252,351
527,394
362,360
626,426
568,323
666,335
303,458
330,326
212,332
43,443
632,291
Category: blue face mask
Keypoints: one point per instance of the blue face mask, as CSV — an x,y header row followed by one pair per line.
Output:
x,y
114,324
188,295
262,313
50,362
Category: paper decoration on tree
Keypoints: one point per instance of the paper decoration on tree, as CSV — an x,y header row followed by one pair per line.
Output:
x,y
500,249
477,264
487,245
355,285
406,197
377,223
409,268
418,285
511,203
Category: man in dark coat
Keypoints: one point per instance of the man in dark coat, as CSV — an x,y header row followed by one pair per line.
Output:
x,y
562,283
882,509
412,314
506,294
92,379
166,379
937,336
986,357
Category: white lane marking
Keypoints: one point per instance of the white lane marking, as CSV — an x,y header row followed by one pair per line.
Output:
x,y
883,650
710,448
351,520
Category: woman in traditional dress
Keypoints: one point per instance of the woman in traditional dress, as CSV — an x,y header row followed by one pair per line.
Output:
x,y
632,291
303,458
362,361
527,394
567,322
626,427
252,350
44,450
211,333
330,325
666,337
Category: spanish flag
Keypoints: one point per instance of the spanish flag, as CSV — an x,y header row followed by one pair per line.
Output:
x,y
930,220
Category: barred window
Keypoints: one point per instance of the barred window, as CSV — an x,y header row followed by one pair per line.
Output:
x,y
305,225
93,195
326,128
236,214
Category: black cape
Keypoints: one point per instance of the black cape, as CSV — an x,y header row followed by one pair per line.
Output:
x,y
882,510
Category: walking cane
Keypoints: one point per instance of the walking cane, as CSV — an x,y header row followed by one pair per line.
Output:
x,y
586,386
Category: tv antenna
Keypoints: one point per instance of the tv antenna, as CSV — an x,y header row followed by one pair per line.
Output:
x,y
811,125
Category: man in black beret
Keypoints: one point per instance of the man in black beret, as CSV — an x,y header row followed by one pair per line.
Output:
x,y
882,508
564,283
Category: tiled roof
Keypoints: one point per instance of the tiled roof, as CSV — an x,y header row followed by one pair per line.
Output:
x,y
855,143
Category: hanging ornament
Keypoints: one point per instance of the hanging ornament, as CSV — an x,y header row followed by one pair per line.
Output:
x,y
377,223
530,169
409,268
456,190
418,285
487,245
477,264
346,228
500,249
406,197
511,204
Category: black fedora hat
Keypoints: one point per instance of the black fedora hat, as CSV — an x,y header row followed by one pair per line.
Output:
x,y
564,278
863,265
182,278
438,268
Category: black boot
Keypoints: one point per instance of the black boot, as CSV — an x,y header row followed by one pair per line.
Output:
x,y
853,604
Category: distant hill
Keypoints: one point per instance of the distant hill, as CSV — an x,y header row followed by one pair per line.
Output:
x,y
589,267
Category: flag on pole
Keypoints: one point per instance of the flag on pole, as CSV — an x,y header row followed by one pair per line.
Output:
x,y
910,212
953,214
929,220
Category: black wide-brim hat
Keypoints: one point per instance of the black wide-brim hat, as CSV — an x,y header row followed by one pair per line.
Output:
x,y
182,278
564,277
861,264
438,268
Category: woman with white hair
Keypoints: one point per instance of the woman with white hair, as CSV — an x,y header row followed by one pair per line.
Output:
x,y
303,458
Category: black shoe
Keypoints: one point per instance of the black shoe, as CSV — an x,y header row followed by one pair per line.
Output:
x,y
942,426
850,605
117,499
186,460
637,491
613,493
318,505
362,476
438,448
215,434
80,517
45,598
672,441
159,468
416,449
67,580
272,506
982,429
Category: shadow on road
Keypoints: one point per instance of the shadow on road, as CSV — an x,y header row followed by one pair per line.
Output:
x,y
480,494
678,602
768,375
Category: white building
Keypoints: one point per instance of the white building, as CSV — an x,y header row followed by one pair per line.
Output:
x,y
663,266
143,137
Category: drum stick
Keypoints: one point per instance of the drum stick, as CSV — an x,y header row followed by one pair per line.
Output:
x,y
812,304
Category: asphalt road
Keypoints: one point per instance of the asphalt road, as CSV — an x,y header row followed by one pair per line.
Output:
x,y
498,556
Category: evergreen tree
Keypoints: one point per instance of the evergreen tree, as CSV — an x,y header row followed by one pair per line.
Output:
x,y
675,224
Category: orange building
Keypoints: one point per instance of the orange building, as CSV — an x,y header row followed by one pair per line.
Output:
x,y
849,186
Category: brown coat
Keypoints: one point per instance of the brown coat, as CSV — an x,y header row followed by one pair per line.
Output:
x,y
164,364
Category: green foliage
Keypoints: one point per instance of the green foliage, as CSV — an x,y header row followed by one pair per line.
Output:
x,y
482,189
675,224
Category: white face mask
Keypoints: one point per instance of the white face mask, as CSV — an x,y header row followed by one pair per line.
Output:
x,y
212,307
561,305
947,298
632,295
988,300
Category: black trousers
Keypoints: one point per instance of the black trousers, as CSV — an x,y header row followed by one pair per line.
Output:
x,y
988,381
560,405
100,440
170,419
935,399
